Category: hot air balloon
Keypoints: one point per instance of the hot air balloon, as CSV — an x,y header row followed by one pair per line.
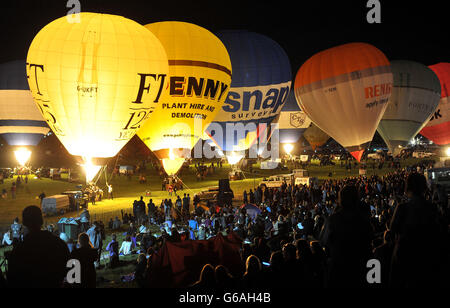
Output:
x,y
315,136
438,128
200,77
292,123
415,96
345,90
96,81
21,123
260,86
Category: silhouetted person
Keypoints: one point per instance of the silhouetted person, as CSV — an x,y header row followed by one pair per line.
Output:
x,y
347,234
87,255
418,252
253,276
274,273
224,280
40,260
383,253
207,278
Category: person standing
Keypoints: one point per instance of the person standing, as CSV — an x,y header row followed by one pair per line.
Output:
x,y
40,260
95,236
41,197
347,234
16,230
85,219
13,190
110,192
87,255
416,223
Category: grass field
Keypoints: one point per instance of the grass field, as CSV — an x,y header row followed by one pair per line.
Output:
x,y
127,190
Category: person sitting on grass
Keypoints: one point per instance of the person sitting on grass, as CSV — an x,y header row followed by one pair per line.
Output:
x,y
113,250
140,270
125,249
7,240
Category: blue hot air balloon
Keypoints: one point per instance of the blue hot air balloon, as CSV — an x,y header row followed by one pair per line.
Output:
x,y
21,123
260,84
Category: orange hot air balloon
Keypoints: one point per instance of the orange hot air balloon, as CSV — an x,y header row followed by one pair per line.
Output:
x,y
438,128
315,136
344,91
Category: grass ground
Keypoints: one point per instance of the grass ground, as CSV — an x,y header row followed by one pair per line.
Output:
x,y
127,190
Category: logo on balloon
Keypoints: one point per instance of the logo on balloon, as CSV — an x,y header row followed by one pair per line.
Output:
x,y
255,104
297,119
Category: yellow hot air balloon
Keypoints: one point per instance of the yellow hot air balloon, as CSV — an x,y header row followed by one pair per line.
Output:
x,y
199,80
96,81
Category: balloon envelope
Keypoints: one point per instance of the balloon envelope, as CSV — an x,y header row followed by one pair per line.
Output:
x,y
344,90
21,123
315,136
259,88
415,96
199,80
96,81
292,121
438,128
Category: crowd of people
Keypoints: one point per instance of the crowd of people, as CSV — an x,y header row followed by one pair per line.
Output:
x,y
319,236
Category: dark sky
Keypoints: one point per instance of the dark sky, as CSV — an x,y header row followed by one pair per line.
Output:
x,y
413,30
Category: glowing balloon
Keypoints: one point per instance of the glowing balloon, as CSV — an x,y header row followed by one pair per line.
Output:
x,y
292,121
315,136
200,77
261,83
21,123
415,96
438,128
345,90
96,81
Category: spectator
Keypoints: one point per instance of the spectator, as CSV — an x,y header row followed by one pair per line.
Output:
x,y
30,263
348,234
125,249
7,239
224,280
253,277
207,278
113,250
16,230
87,255
85,219
95,237
414,222
140,270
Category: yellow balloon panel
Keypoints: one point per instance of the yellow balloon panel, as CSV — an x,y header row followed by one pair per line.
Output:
x,y
97,81
199,80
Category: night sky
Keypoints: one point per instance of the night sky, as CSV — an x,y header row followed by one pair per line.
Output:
x,y
411,30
